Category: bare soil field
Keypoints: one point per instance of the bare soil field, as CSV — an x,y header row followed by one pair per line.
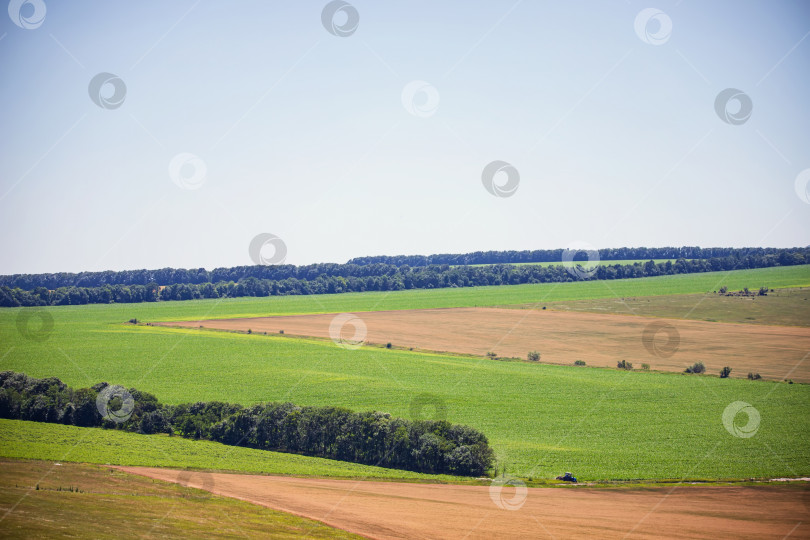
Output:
x,y
775,352
402,510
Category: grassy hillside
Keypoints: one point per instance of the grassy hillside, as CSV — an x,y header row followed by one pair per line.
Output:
x,y
541,420
37,440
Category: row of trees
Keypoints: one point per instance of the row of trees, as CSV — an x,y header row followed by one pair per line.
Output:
x,y
372,438
379,267
395,278
555,255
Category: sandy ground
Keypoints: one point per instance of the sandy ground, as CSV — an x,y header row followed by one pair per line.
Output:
x,y
403,510
776,352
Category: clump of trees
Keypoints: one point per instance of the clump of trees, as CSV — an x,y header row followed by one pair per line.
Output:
x,y
624,364
533,356
763,291
372,438
754,376
579,362
697,367
725,372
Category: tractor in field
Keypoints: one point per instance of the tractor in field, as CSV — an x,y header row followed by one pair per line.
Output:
x,y
567,477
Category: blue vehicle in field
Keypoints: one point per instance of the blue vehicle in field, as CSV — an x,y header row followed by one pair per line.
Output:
x,y
567,477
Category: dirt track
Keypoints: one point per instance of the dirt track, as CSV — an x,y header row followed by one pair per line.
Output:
x,y
402,510
776,352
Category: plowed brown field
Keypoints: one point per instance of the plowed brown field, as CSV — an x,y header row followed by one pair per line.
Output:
x,y
400,510
776,352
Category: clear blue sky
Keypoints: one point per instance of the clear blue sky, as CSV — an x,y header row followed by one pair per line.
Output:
x,y
304,134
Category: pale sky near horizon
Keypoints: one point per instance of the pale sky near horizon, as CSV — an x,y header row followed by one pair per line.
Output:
x,y
607,113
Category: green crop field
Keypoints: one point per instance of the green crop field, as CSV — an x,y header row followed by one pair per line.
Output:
x,y
54,442
541,420
784,307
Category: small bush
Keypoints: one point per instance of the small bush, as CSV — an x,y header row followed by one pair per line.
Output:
x,y
534,356
723,289
387,345
250,331
579,362
281,331
492,355
133,321
624,364
697,367
725,372
645,367
754,376
763,291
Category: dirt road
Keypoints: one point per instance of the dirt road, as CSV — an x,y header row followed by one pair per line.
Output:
x,y
404,510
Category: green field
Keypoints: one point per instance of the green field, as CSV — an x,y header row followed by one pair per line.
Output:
x,y
541,419
785,307
37,440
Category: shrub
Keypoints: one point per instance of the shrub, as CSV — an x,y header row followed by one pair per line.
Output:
x,y
723,289
387,345
492,355
697,367
579,362
624,364
281,331
133,321
754,376
250,331
725,372
645,367
763,291
534,356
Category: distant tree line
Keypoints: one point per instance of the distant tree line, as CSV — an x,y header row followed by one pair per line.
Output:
x,y
555,255
371,438
389,278
364,267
